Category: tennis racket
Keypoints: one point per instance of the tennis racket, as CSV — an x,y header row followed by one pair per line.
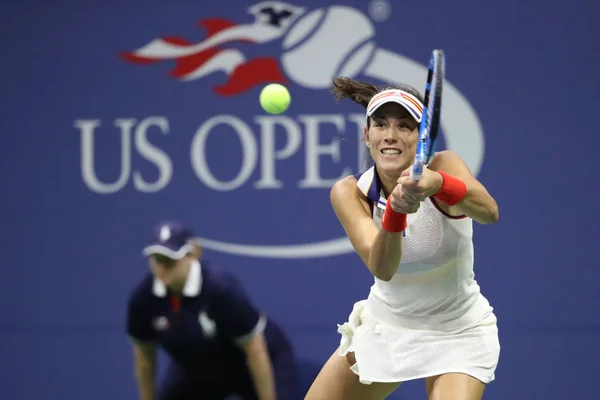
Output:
x,y
430,121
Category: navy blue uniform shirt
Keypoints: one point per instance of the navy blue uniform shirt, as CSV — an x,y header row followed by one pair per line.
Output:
x,y
201,330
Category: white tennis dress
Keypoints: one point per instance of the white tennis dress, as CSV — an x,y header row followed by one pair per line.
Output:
x,y
431,318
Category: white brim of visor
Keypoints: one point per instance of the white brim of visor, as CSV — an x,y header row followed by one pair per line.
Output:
x,y
406,100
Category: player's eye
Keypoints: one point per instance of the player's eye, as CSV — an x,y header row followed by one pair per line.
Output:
x,y
407,125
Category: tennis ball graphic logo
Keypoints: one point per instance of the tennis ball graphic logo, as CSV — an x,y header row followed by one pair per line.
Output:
x,y
325,43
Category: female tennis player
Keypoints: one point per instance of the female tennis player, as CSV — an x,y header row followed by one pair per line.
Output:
x,y
218,341
425,316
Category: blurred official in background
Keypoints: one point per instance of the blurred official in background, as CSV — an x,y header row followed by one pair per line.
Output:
x,y
219,343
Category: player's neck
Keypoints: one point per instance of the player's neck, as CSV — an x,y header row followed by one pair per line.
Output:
x,y
388,185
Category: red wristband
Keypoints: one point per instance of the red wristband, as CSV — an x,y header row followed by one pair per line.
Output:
x,y
393,221
453,190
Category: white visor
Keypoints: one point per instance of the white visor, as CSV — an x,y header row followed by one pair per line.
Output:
x,y
406,100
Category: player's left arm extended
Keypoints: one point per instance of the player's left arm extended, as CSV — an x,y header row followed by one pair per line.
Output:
x,y
477,204
260,367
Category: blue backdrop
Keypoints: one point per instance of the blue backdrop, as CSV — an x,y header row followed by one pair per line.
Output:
x,y
116,115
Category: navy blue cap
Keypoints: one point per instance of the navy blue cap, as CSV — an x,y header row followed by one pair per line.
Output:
x,y
171,239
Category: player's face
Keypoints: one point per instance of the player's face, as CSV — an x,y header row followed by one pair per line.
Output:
x,y
172,273
392,138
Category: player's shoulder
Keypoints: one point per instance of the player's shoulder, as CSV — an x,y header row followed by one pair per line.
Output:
x,y
142,290
346,182
345,187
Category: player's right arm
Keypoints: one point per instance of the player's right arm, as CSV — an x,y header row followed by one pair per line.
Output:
x,y
379,249
144,354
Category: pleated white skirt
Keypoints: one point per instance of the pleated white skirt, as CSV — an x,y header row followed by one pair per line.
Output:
x,y
388,352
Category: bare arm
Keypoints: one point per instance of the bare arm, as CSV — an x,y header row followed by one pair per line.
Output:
x,y
145,368
477,204
259,365
379,249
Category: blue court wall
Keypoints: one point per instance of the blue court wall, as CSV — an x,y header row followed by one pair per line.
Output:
x,y
115,115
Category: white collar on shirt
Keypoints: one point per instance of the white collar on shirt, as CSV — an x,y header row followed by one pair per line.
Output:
x,y
192,286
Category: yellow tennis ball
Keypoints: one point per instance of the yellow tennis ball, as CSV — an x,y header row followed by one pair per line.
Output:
x,y
275,98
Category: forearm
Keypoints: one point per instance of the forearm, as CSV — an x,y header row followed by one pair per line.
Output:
x,y
385,254
262,375
261,370
145,377
478,205
460,193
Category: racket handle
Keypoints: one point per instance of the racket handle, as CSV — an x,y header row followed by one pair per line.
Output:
x,y
416,171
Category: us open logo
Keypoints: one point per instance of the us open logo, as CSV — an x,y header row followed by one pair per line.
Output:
x,y
341,38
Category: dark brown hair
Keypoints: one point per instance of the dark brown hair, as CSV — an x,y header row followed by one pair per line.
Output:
x,y
362,92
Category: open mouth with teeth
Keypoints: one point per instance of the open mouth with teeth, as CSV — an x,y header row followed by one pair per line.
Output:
x,y
390,153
